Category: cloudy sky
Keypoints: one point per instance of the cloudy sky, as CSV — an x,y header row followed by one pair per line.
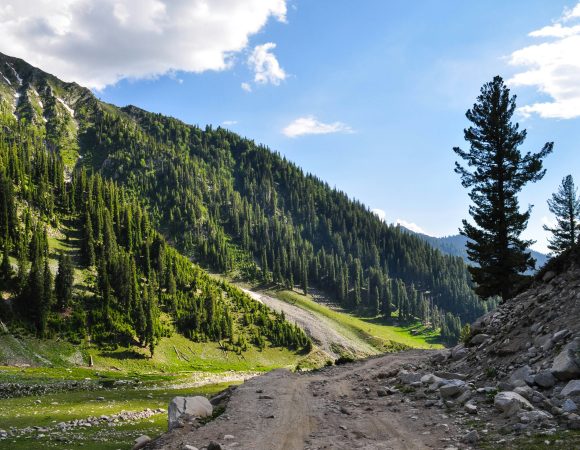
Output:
x,y
370,96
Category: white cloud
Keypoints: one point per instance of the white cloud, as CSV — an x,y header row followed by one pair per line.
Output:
x,y
246,87
381,214
229,122
265,65
410,226
310,125
553,67
99,43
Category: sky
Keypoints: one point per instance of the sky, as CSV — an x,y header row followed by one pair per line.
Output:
x,y
369,96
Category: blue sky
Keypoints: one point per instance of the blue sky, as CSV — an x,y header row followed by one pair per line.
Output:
x,y
369,96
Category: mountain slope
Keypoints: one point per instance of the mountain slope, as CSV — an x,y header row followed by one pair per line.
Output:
x,y
455,245
237,207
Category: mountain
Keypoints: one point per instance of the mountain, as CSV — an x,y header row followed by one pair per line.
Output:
x,y
234,206
456,245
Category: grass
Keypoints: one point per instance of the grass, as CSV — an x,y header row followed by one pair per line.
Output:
x,y
62,407
373,330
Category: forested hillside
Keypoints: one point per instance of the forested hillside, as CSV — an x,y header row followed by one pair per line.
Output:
x,y
131,286
227,203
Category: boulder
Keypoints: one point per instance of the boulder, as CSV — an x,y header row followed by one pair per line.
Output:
x,y
458,352
560,335
510,403
432,380
188,406
141,442
407,377
571,389
470,408
479,339
567,364
569,406
535,416
522,376
470,438
452,388
545,379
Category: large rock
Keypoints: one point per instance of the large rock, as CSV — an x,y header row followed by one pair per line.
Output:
x,y
407,377
458,352
567,364
141,442
522,376
479,339
511,403
452,389
545,379
571,389
188,406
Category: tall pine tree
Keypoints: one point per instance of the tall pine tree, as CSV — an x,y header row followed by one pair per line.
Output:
x,y
565,205
496,171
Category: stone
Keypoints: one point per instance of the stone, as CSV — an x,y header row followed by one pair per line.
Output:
x,y
464,397
510,403
535,416
214,446
188,406
522,376
432,380
452,388
470,408
189,447
470,438
479,339
560,335
141,442
450,375
407,377
569,406
545,379
571,389
458,352
567,364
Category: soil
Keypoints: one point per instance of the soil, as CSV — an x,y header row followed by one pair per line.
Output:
x,y
334,408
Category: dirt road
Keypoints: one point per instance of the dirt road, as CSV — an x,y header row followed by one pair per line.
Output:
x,y
325,333
338,407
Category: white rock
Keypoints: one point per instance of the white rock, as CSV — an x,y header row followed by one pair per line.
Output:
x,y
188,406
141,442
569,406
510,403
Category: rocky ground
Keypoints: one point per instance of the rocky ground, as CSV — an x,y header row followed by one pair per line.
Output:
x,y
518,376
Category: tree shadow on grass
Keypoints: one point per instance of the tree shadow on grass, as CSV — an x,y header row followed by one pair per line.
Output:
x,y
125,354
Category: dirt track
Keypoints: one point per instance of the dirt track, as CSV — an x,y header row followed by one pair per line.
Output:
x,y
320,329
335,408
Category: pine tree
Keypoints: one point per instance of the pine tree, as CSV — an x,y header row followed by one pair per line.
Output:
x,y
565,205
499,172
6,267
63,282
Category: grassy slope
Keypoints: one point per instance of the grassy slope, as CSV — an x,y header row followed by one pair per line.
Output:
x,y
373,330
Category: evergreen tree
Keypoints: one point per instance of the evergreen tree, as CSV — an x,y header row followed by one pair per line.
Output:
x,y
63,282
6,267
565,205
499,172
